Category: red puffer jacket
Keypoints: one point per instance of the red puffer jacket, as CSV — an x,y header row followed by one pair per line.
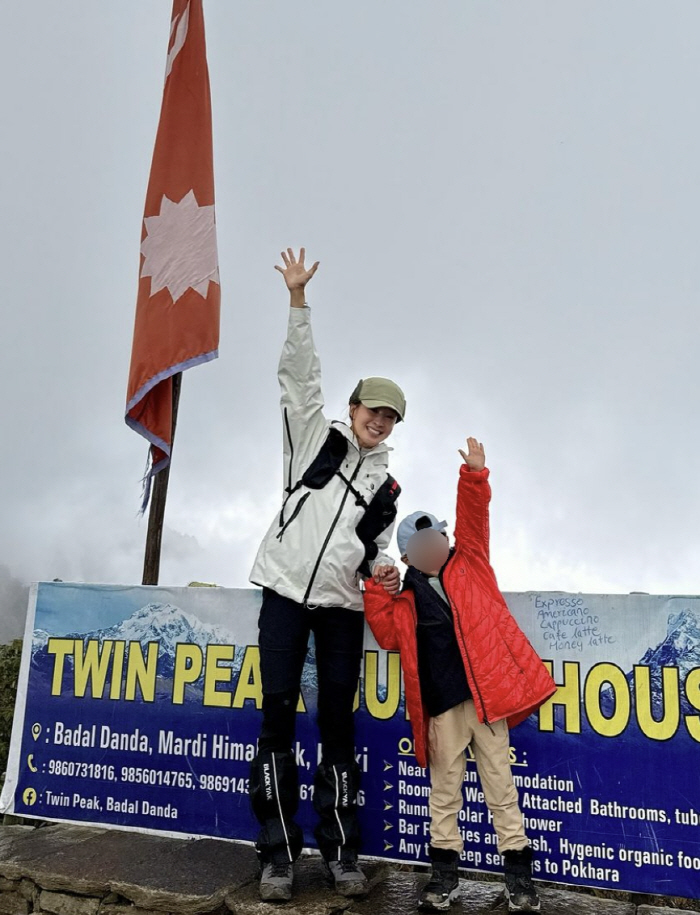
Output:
x,y
506,676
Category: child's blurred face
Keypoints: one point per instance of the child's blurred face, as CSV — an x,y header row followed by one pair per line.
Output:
x,y
427,551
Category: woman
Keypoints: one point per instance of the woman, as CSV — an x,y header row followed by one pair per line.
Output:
x,y
336,519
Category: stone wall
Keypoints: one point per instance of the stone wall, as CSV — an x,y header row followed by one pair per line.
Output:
x,y
24,897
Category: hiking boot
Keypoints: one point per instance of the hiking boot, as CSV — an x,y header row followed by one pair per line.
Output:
x,y
519,888
348,879
276,881
443,886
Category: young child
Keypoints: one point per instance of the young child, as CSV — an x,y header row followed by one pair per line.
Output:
x,y
469,672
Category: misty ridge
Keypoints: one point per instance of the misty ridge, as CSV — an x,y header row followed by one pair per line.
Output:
x,y
14,596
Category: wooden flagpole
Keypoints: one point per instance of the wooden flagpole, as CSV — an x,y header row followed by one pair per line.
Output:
x,y
159,495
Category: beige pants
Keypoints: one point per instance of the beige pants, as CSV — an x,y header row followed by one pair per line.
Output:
x,y
449,736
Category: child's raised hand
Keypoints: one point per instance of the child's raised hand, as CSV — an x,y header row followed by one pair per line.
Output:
x,y
475,459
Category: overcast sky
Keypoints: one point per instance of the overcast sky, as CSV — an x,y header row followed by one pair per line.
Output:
x,y
504,200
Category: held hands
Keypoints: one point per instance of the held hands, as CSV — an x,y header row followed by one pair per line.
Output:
x,y
295,274
388,577
475,459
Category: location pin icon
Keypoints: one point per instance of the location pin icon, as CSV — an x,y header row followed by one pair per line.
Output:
x,y
36,730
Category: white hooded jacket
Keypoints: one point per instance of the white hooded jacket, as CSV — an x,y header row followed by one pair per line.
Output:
x,y
311,551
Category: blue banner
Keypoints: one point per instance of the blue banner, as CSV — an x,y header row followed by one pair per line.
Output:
x,y
139,708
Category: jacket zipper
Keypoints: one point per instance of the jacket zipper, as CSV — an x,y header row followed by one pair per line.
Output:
x,y
297,509
458,623
291,461
330,531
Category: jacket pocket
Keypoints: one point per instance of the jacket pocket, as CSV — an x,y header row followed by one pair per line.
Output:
x,y
294,514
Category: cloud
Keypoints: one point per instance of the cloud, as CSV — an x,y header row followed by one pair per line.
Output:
x,y
505,213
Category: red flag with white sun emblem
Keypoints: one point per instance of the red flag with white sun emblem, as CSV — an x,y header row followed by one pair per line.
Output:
x,y
177,309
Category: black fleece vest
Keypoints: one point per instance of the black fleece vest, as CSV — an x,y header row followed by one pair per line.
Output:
x,y
443,682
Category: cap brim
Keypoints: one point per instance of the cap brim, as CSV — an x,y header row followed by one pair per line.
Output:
x,y
376,404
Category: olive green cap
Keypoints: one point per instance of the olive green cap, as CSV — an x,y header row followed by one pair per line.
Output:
x,y
380,392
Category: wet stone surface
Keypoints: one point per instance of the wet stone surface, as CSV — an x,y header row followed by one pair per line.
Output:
x,y
395,892
655,910
88,871
399,892
313,892
153,872
565,902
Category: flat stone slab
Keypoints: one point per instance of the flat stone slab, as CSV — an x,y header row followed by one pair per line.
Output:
x,y
398,894
393,892
153,872
557,901
656,910
313,892
157,874
24,846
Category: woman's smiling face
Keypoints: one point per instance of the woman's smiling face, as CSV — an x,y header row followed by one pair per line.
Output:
x,y
372,425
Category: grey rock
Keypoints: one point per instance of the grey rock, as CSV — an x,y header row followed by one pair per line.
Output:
x,y
28,888
136,874
187,876
313,892
23,846
9,836
557,901
655,910
398,894
9,819
67,904
9,886
125,909
14,904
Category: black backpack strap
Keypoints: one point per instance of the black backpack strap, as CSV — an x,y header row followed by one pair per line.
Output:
x,y
359,498
381,512
327,462
323,467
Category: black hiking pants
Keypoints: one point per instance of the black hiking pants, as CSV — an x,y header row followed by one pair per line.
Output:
x,y
285,627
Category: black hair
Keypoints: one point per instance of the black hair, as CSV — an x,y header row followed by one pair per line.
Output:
x,y
355,396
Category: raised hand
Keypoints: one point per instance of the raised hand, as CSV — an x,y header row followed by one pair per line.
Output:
x,y
475,459
295,274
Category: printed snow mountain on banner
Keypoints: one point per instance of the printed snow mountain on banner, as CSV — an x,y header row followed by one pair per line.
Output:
x,y
162,623
679,649
167,625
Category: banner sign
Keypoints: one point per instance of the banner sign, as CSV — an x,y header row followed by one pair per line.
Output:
x,y
139,708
